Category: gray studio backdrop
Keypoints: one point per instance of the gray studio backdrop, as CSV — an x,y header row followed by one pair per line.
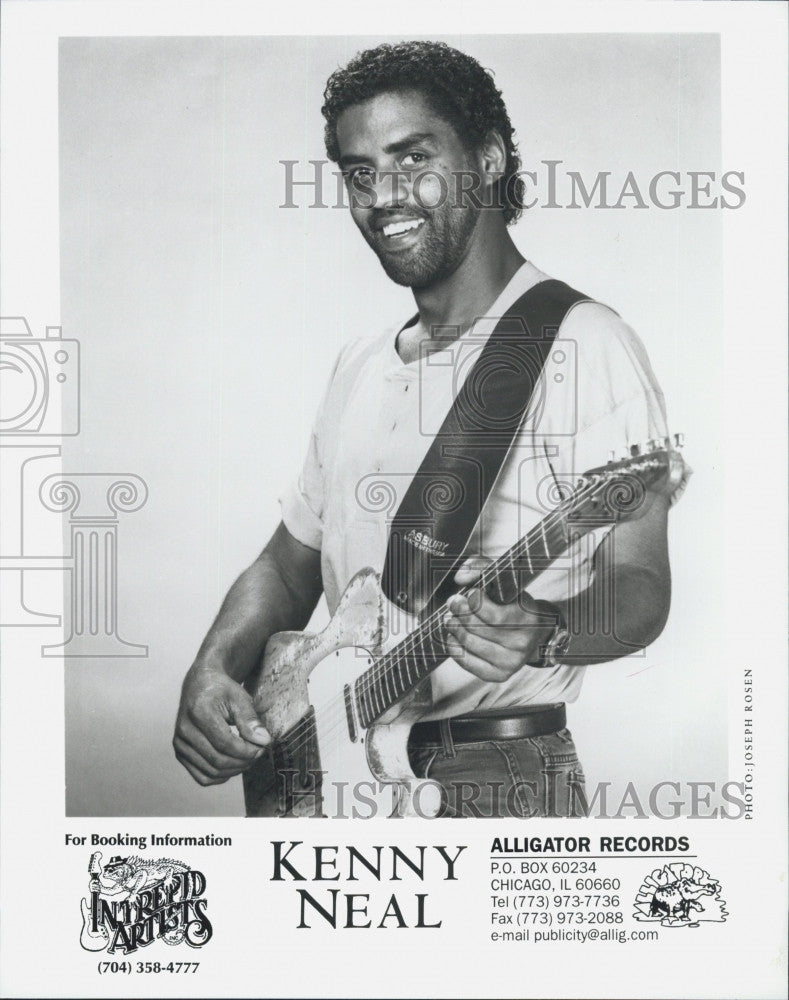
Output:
x,y
209,318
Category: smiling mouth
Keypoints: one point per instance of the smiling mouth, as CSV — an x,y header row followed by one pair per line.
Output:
x,y
395,229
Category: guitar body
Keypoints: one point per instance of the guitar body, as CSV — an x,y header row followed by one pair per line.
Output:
x,y
89,939
322,762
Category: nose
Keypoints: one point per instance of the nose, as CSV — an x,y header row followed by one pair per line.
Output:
x,y
391,188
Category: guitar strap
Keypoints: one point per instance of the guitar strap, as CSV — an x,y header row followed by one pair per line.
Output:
x,y
444,500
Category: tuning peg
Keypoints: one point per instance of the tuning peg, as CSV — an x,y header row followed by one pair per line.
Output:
x,y
635,449
679,440
611,457
655,444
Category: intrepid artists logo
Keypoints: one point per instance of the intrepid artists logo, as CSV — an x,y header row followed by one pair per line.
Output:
x,y
135,901
680,895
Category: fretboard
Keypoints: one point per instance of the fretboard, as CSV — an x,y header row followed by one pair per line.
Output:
x,y
392,676
601,496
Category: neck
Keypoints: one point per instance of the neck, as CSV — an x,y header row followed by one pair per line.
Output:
x,y
458,300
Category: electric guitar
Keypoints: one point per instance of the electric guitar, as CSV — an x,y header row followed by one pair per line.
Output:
x,y
340,711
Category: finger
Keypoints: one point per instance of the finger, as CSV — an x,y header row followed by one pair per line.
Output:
x,y
471,570
212,760
198,772
476,603
479,667
186,753
241,752
524,637
487,648
475,608
213,721
209,760
199,776
514,637
246,719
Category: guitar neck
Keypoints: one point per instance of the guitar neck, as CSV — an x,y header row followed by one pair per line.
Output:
x,y
399,671
601,497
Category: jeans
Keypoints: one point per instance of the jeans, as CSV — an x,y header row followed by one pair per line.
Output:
x,y
535,776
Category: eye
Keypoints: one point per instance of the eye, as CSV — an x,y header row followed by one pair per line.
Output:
x,y
360,176
413,159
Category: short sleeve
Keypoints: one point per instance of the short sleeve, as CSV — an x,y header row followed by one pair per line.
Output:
x,y
302,503
618,402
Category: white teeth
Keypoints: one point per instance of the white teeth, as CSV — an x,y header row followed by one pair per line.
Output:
x,y
398,228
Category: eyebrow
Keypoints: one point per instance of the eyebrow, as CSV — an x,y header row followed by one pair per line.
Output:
x,y
413,139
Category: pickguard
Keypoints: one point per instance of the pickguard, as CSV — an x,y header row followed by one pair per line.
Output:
x,y
321,763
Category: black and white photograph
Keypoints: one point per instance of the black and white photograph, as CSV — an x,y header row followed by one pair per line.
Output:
x,y
303,401
393,432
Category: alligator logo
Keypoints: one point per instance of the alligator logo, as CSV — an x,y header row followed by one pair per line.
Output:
x,y
680,895
135,901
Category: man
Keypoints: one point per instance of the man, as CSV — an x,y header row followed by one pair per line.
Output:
x,y
424,141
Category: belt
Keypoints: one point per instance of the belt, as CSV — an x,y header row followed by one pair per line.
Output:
x,y
498,724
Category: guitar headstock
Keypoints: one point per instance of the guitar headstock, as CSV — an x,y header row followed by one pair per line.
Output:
x,y
623,482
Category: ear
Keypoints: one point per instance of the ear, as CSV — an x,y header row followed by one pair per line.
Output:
x,y
493,154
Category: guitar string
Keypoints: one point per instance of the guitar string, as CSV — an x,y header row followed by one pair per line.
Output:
x,y
336,713
397,658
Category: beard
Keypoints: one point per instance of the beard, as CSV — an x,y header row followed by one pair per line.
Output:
x,y
443,243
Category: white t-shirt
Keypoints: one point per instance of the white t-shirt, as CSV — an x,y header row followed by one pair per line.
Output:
x,y
378,418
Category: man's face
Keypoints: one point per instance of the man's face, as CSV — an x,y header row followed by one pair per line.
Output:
x,y
402,164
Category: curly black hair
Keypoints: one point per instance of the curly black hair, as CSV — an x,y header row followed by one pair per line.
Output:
x,y
457,88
